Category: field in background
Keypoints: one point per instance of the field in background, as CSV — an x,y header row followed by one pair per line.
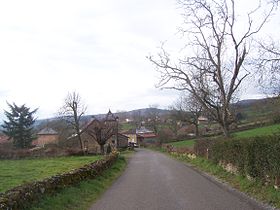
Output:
x,y
183,143
262,131
17,172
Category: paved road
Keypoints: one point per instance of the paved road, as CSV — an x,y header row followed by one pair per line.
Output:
x,y
157,182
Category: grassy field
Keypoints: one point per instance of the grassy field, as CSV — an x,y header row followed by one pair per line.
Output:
x,y
83,195
263,131
16,172
183,143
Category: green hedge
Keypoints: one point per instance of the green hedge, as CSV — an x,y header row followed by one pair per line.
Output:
x,y
258,157
22,196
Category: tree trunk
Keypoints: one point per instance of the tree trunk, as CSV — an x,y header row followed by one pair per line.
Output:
x,y
80,140
196,130
102,149
225,128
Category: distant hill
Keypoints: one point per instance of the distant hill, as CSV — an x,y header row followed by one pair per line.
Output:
x,y
247,102
243,106
122,115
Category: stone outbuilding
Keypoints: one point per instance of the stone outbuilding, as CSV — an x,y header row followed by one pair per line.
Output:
x,y
46,136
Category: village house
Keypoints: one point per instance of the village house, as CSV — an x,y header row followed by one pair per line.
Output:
x,y
202,120
131,134
145,135
140,136
46,136
117,140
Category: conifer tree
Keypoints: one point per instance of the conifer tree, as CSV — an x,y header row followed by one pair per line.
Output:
x,y
19,125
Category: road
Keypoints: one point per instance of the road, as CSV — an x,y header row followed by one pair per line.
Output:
x,y
154,181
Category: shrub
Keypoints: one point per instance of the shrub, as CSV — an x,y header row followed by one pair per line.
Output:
x,y
202,147
256,157
276,117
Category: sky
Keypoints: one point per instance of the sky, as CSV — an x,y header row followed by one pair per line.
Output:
x,y
96,48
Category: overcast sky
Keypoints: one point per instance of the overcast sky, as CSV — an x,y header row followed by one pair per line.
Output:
x,y
96,48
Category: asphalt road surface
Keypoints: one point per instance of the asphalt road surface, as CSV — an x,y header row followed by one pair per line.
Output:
x,y
154,181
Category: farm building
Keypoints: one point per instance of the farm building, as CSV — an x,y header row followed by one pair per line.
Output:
x,y
145,135
131,134
46,136
110,124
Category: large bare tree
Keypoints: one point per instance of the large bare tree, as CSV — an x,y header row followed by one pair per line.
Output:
x,y
216,48
72,112
269,65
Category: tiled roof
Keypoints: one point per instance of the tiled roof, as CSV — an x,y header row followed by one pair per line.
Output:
x,y
142,129
147,135
110,116
48,131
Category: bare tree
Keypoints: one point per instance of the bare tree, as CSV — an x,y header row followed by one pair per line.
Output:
x,y
72,112
102,130
193,109
268,64
214,65
175,119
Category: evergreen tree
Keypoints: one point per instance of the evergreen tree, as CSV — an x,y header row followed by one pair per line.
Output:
x,y
19,125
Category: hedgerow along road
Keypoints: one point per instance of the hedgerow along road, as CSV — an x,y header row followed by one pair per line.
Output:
x,y
154,181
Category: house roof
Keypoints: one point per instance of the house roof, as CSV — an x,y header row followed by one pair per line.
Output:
x,y
147,135
122,135
143,130
202,118
110,116
47,131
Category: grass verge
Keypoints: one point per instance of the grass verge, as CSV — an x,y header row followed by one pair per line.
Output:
x,y
17,172
83,195
266,194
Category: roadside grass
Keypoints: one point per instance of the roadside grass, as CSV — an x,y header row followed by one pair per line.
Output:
x,y
266,194
83,195
262,131
17,172
183,143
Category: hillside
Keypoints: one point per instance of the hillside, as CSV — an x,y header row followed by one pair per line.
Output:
x,y
251,110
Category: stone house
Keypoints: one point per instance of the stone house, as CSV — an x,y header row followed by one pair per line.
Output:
x,y
116,140
141,135
46,136
131,134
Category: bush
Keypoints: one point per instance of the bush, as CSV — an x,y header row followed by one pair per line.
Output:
x,y
256,157
202,145
276,118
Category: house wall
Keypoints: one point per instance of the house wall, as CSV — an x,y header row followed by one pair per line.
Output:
x,y
92,145
46,139
132,138
123,142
